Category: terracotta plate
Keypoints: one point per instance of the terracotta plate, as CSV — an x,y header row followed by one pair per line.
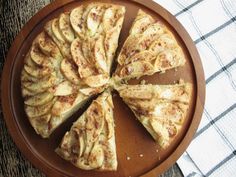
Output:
x,y
137,152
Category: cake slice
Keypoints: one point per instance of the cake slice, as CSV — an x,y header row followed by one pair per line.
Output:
x,y
90,143
161,109
150,47
94,49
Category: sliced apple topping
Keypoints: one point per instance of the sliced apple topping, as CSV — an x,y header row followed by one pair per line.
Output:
x,y
90,144
91,91
77,20
77,53
168,59
97,80
39,99
27,93
141,22
161,109
94,19
39,58
165,41
65,27
69,61
41,124
36,111
147,36
25,77
63,89
41,85
136,69
70,71
62,45
48,47
96,157
100,56
56,30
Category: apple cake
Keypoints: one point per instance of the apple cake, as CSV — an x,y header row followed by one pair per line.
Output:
x,y
70,62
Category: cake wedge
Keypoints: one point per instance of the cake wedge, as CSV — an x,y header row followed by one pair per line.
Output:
x,y
90,143
162,109
151,47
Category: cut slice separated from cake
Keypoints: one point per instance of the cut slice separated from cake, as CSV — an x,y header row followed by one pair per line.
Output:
x,y
150,47
161,109
90,143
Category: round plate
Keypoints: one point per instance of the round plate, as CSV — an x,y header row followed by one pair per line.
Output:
x,y
137,152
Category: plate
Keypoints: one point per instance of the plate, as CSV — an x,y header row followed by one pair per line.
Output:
x,y
138,154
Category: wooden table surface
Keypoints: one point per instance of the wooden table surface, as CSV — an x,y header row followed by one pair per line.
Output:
x,y
13,15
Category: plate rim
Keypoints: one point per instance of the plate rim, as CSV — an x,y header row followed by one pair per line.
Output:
x,y
21,142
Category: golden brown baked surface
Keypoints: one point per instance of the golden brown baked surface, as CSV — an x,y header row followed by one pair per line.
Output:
x,y
90,143
160,108
149,48
70,61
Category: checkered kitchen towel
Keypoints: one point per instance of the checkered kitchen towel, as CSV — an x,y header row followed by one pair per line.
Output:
x,y
212,26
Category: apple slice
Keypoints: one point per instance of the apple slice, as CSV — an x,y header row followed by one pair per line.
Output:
x,y
88,48
171,111
86,72
64,104
48,47
109,19
69,70
97,80
63,46
76,51
26,93
40,124
39,99
56,30
25,77
76,20
136,69
38,57
33,69
161,133
36,111
65,27
37,72
141,22
155,29
165,41
164,131
91,91
129,48
42,85
100,56
96,156
111,40
108,117
142,56
94,19
63,89
136,92
95,121
169,59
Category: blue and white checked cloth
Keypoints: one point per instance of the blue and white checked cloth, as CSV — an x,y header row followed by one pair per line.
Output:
x,y
212,26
